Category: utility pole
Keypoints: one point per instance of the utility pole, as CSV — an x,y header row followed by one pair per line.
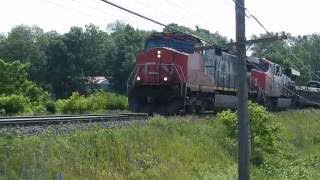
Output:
x,y
242,93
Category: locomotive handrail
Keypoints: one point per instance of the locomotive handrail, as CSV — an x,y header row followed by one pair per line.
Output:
x,y
184,78
130,77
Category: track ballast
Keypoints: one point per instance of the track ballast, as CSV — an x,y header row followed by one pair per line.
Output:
x,y
65,119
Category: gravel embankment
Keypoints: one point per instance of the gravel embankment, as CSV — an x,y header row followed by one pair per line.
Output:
x,y
66,128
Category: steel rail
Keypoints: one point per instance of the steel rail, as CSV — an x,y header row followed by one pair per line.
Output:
x,y
51,120
63,115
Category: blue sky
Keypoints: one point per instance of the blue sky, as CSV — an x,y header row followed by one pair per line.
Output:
x,y
296,17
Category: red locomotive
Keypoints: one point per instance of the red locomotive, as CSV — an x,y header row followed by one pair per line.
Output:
x,y
173,75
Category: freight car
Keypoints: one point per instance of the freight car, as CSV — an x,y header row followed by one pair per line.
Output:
x,y
174,74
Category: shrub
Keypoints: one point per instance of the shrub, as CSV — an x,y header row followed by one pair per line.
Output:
x,y
13,104
98,101
17,90
51,107
75,104
35,93
264,131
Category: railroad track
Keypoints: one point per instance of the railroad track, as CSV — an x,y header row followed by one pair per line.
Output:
x,y
64,119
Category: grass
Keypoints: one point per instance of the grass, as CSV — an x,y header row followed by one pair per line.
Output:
x,y
174,148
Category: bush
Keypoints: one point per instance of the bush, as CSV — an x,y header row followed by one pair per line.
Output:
x,y
264,131
14,104
18,92
98,101
51,107
35,93
75,104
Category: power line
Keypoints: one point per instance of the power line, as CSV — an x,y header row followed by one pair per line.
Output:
x,y
160,23
74,10
159,11
90,7
256,19
164,25
250,15
259,22
175,4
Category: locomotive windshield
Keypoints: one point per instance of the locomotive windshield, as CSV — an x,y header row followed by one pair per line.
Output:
x,y
263,66
185,46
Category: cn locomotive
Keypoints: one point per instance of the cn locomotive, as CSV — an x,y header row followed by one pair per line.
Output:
x,y
174,74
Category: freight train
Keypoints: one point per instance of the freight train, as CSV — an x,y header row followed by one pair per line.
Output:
x,y
175,74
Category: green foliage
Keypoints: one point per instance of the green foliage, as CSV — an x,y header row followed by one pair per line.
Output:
x,y
61,63
23,43
299,52
299,157
16,88
13,104
229,119
13,77
99,101
164,148
51,107
74,104
264,131
120,60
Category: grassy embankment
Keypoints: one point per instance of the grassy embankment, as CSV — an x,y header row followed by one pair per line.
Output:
x,y
178,148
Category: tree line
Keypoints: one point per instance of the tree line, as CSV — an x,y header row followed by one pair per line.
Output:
x,y
60,63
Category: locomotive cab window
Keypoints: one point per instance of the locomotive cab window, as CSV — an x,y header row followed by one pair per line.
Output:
x,y
263,66
185,46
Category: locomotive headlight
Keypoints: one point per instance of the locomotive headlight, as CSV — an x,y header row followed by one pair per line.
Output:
x,y
158,54
165,79
138,78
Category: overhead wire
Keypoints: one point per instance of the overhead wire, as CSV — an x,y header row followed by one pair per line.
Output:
x,y
259,22
187,33
250,15
265,29
90,7
182,8
74,10
161,24
160,11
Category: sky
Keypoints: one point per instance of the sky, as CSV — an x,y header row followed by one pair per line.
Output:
x,y
293,16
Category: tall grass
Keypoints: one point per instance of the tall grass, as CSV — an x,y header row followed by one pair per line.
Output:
x,y
299,143
165,148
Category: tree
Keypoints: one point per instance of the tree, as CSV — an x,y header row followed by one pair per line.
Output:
x,y
22,43
14,80
74,56
283,53
306,50
120,60
59,68
13,75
